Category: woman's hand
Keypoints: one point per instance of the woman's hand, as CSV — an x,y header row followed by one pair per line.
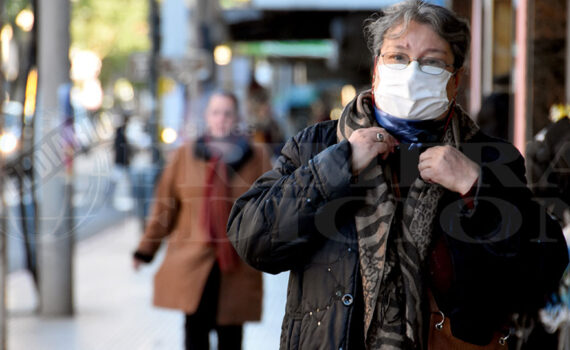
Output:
x,y
137,263
448,167
366,145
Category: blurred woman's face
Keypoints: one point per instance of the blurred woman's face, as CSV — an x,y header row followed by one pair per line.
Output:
x,y
221,115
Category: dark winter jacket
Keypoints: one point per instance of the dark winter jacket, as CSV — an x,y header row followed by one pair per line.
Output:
x,y
505,252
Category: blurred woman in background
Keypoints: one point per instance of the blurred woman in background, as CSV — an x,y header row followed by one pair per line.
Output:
x,y
201,274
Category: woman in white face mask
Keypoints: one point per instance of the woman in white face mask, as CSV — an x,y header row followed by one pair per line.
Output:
x,y
401,199
413,91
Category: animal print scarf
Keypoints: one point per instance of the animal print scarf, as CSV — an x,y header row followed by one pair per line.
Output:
x,y
394,243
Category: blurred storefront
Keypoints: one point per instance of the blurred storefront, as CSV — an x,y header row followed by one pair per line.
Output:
x,y
518,47
302,52
311,56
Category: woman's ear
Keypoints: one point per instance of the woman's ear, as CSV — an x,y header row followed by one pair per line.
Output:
x,y
459,76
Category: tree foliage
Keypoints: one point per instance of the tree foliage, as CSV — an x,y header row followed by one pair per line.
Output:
x,y
12,8
112,28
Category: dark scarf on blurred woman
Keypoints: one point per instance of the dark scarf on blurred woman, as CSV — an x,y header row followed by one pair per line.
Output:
x,y
224,157
394,243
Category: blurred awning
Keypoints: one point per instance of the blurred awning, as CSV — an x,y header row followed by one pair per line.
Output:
x,y
327,4
255,25
282,48
256,20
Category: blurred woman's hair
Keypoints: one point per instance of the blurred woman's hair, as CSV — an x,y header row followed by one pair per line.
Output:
x,y
444,22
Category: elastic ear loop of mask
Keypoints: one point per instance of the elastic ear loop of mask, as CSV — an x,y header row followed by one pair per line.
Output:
x,y
452,105
376,58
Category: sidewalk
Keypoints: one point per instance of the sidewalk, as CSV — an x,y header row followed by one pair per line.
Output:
x,y
113,304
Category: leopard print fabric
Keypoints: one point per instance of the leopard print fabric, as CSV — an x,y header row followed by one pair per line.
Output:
x,y
392,249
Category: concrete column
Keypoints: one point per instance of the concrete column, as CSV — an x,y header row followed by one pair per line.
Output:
x,y
54,185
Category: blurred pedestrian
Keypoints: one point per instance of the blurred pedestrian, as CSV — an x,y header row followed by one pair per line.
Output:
x,y
122,198
549,159
121,144
201,274
319,111
264,127
493,117
402,224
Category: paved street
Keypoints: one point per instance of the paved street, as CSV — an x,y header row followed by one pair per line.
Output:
x,y
113,304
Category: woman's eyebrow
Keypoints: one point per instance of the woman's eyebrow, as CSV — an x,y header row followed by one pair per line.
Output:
x,y
429,50
434,50
400,47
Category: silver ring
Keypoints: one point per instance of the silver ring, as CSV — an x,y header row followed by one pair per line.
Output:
x,y
379,137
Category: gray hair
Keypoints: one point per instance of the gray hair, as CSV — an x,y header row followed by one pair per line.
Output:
x,y
444,22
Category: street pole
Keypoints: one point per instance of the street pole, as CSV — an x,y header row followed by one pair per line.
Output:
x,y
3,231
154,19
55,249
3,218
26,159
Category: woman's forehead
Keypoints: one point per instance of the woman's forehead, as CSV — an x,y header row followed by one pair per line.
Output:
x,y
415,36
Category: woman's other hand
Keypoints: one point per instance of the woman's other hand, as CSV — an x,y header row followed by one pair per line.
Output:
x,y
448,167
137,263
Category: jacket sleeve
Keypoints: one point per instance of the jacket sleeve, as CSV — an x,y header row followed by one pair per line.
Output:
x,y
164,209
274,225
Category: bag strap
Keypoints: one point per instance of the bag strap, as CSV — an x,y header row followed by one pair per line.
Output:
x,y
432,303
501,337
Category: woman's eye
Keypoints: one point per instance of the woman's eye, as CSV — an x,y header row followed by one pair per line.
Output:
x,y
432,62
396,58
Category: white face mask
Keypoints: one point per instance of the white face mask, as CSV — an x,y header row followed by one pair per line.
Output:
x,y
410,93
